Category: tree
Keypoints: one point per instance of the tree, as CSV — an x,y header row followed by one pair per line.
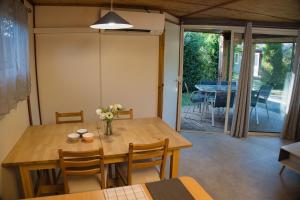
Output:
x,y
201,55
275,64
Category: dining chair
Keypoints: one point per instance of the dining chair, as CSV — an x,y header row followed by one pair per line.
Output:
x,y
70,115
125,114
82,170
143,160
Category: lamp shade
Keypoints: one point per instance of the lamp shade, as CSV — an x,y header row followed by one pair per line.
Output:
x,y
111,20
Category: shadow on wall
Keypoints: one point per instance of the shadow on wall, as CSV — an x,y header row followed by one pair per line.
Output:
x,y
11,186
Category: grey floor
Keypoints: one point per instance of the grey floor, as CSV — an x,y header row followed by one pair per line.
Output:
x,y
194,120
239,169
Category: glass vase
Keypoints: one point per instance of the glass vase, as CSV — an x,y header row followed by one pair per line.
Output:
x,y
108,127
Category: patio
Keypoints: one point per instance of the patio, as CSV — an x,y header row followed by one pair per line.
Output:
x,y
273,124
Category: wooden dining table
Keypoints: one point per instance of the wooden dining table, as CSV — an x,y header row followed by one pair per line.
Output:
x,y
37,149
191,185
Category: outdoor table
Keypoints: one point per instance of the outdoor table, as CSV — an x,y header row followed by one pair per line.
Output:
x,y
214,88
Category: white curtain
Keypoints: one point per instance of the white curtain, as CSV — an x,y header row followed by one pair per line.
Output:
x,y
14,68
240,122
291,128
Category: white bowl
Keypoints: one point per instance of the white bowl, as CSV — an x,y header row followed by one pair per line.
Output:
x,y
88,137
82,131
73,136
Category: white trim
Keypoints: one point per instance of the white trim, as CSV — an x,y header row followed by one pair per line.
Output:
x,y
240,29
64,30
180,78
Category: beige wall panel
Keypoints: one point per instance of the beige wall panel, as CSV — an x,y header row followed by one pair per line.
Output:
x,y
130,72
65,16
68,73
12,127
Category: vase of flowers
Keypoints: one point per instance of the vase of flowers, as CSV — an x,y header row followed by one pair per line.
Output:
x,y
107,115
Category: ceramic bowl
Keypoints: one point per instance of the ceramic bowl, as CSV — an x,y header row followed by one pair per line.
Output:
x,y
88,137
73,137
81,131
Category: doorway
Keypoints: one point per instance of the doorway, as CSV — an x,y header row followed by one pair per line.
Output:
x,y
204,90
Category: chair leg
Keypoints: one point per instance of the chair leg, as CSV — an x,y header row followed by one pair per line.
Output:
x,y
267,110
212,116
256,114
251,111
282,169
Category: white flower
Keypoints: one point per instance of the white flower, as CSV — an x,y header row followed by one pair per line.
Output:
x,y
98,111
103,116
119,106
109,115
111,107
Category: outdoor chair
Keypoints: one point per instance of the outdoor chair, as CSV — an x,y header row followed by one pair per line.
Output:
x,y
264,93
196,98
254,98
220,101
260,96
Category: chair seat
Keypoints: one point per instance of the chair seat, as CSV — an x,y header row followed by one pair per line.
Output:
x,y
139,176
197,98
84,183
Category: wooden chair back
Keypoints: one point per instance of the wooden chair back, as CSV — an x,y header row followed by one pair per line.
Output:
x,y
147,155
125,114
81,163
58,117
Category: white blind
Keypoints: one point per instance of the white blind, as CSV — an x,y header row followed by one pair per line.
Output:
x,y
14,70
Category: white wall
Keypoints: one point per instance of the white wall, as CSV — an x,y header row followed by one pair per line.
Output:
x,y
130,72
68,74
81,71
12,127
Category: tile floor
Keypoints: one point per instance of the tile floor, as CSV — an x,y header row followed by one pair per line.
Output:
x,y
239,169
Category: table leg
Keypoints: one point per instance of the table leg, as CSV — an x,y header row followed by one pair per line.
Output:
x,y
26,181
174,163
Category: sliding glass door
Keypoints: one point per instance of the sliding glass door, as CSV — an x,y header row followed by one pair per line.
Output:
x,y
212,63
271,82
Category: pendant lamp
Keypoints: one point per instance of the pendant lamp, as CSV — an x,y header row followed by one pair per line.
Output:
x,y
111,20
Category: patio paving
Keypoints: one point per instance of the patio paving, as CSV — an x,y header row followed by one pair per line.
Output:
x,y
273,124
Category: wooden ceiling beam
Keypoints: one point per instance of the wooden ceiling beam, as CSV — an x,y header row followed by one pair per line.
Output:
x,y
258,13
209,8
